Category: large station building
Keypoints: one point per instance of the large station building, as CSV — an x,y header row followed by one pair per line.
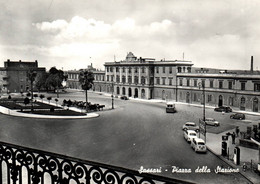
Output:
x,y
178,80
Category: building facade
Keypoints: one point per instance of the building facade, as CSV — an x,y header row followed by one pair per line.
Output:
x,y
235,90
73,77
144,78
174,80
14,75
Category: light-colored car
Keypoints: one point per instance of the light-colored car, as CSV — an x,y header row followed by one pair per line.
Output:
x,y
211,121
189,135
191,126
198,145
170,107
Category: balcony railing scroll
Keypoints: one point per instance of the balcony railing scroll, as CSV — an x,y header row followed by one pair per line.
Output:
x,y
19,165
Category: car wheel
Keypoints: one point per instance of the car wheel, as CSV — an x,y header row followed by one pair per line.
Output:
x,y
197,130
216,124
185,129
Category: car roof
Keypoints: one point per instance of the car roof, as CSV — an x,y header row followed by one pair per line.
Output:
x,y
190,123
199,139
240,113
170,103
191,131
210,118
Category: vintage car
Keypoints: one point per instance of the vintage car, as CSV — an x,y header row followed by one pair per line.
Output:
x,y
191,126
198,145
223,109
170,107
238,116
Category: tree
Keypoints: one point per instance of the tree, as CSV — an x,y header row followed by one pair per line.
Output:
x,y
49,98
42,97
56,100
86,79
55,79
41,82
26,101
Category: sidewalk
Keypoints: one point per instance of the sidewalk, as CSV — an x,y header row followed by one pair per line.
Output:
x,y
214,142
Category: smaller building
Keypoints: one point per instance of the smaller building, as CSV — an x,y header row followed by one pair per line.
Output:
x,y
14,75
73,78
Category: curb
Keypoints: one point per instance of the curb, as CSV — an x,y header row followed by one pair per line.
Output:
x,y
10,112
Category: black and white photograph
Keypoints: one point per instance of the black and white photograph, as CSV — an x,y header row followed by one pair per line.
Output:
x,y
129,92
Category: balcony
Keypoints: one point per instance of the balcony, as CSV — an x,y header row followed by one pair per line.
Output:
x,y
25,165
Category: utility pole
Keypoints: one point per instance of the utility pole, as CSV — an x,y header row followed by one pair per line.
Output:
x,y
112,96
202,85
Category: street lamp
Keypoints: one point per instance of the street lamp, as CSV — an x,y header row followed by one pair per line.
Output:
x,y
112,96
203,124
201,85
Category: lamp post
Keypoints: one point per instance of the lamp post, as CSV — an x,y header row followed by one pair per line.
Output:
x,y
112,96
203,94
201,85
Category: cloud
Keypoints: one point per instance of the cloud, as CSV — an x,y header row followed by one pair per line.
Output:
x,y
220,31
52,27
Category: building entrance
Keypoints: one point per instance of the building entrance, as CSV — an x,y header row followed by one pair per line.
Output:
x,y
255,105
188,97
220,101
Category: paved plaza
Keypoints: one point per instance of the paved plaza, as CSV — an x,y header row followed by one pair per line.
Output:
x,y
135,134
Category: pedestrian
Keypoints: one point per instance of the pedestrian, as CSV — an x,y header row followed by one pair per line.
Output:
x,y
233,137
237,131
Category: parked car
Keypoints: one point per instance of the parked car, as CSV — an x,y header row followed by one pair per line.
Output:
x,y
223,109
191,126
211,121
198,145
189,135
124,98
238,116
170,107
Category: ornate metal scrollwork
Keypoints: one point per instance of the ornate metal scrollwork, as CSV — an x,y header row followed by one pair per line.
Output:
x,y
62,169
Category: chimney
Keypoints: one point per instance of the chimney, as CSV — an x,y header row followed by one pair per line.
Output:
x,y
252,64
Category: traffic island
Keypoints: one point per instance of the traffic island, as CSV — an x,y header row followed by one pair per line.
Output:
x,y
36,109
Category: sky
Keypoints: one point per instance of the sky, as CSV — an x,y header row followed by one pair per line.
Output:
x,y
73,34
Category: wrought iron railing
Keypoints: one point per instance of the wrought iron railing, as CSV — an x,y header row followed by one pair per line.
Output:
x,y
19,165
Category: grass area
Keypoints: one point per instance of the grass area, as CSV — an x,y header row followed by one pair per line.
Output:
x,y
39,108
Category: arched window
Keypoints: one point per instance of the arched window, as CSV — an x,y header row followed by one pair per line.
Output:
x,y
143,93
118,90
242,103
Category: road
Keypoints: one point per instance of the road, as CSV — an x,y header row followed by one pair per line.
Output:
x,y
132,135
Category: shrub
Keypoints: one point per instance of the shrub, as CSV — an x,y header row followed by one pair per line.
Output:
x,y
26,101
49,98
42,97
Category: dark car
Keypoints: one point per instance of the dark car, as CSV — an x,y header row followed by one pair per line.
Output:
x,y
223,109
123,98
238,116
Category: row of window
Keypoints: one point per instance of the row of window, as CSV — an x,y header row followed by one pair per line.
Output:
x,y
136,79
220,84
143,69
135,69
